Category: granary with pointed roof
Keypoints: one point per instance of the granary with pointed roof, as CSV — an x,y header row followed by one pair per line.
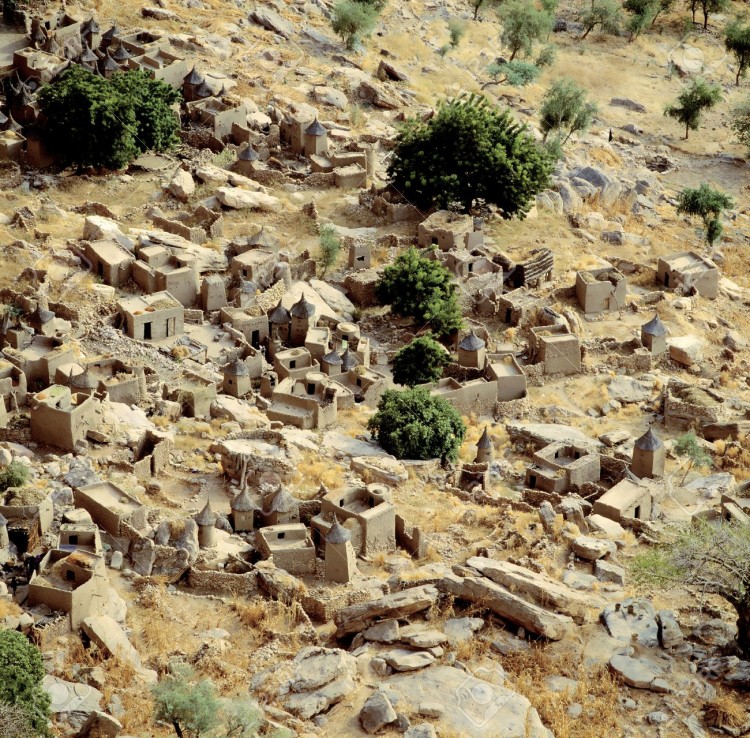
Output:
x,y
472,351
654,335
206,521
243,508
340,559
649,456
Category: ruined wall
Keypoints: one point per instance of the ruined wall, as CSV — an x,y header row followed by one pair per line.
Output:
x,y
223,583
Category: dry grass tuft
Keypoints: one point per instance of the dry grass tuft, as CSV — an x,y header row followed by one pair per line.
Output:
x,y
724,712
313,471
251,614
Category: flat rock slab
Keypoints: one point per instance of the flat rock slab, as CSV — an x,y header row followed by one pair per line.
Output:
x,y
272,21
402,659
637,673
459,630
633,616
357,617
238,199
479,707
384,632
313,667
508,605
71,696
413,636
591,549
308,704
626,389
541,589
542,434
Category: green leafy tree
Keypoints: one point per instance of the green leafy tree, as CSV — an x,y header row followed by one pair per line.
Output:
x,y
737,42
190,707
456,31
16,474
707,7
663,6
741,123
707,204
92,121
642,13
353,21
423,360
565,110
603,13
688,447
712,559
523,25
330,248
516,73
21,674
413,424
421,288
698,96
479,4
469,151
156,122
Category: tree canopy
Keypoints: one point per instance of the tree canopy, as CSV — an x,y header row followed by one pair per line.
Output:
x,y
737,42
698,96
21,674
523,25
93,121
603,13
565,109
470,151
713,559
353,20
330,248
741,122
708,204
421,288
412,424
420,361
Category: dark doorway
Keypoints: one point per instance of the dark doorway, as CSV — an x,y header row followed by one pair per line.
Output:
x,y
147,331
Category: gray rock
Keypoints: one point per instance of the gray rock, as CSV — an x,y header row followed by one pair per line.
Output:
x,y
591,549
625,102
627,389
423,730
637,673
670,634
606,571
657,718
401,659
734,341
331,96
272,21
594,176
181,186
376,713
632,616
575,710
547,516
714,632
459,630
386,631
571,199
315,666
100,725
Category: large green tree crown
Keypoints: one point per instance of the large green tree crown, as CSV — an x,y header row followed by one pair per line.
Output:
x,y
469,152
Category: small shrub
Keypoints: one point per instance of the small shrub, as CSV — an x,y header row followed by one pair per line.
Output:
x,y
330,248
16,474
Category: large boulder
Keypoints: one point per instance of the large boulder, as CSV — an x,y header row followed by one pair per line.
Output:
x,y
376,713
272,21
234,197
479,706
181,186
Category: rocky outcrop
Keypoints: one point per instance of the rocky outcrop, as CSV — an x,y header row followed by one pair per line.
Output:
x,y
508,606
357,617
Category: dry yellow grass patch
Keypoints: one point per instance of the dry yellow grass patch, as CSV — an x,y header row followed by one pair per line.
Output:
x,y
315,470
724,712
597,692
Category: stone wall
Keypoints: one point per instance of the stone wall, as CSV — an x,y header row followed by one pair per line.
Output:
x,y
222,583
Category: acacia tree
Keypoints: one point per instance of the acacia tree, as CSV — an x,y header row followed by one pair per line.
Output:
x,y
708,204
698,96
642,14
712,559
523,25
565,109
479,4
423,289
603,13
420,361
707,7
470,151
21,675
737,41
412,424
353,21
